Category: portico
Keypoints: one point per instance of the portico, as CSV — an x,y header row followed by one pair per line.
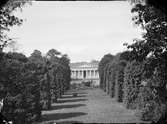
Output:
x,y
85,72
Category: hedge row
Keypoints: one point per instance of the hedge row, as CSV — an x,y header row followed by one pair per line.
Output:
x,y
29,85
138,84
132,82
119,81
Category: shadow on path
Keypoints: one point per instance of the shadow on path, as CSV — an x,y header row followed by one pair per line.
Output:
x,y
70,122
57,116
57,107
78,92
71,96
70,100
65,122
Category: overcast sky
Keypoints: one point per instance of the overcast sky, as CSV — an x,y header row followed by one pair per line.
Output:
x,y
85,30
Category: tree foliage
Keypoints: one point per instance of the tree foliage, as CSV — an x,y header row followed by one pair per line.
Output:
x,y
154,43
8,19
153,50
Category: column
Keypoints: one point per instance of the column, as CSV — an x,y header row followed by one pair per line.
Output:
x,y
94,73
87,76
91,73
74,74
97,74
82,74
88,73
79,73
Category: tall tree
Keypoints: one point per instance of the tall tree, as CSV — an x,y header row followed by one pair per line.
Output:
x,y
8,19
53,53
153,21
153,50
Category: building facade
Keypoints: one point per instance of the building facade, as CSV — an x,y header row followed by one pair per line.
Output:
x,y
85,72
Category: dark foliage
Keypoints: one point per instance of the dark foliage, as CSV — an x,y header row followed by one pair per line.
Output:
x,y
120,80
112,74
132,82
29,85
106,59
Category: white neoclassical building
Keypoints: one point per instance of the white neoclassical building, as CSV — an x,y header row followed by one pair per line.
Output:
x,y
85,72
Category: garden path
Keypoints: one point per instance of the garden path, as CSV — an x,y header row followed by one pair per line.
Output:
x,y
92,105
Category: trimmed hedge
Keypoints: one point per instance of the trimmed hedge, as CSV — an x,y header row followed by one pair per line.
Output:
x,y
119,81
112,79
150,105
21,103
30,85
153,96
140,85
132,82
101,68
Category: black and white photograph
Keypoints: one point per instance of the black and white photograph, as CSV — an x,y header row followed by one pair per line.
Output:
x,y
82,62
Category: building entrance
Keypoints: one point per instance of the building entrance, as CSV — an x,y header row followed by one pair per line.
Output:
x,y
84,74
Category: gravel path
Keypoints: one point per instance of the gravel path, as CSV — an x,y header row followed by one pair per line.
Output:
x,y
91,106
